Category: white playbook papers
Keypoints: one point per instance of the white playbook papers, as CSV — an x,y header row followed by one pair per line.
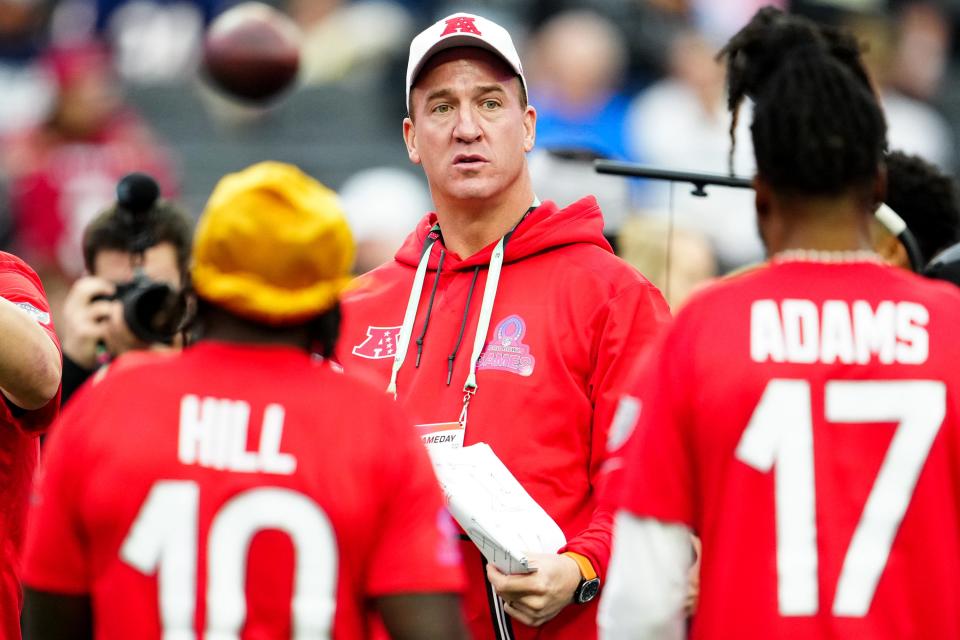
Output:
x,y
493,508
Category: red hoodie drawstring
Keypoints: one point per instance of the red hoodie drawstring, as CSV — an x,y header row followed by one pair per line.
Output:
x,y
483,323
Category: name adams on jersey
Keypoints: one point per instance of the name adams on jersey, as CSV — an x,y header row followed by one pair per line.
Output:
x,y
802,331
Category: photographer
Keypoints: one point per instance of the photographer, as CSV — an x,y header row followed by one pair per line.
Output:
x,y
140,238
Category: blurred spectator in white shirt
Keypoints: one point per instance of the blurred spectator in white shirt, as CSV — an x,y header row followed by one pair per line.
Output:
x,y
682,123
382,205
906,55
153,41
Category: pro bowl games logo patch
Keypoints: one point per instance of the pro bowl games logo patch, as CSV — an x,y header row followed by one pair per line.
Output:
x,y
40,316
381,342
506,351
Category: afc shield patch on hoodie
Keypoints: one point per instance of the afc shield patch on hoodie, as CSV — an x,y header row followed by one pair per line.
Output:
x,y
381,342
506,350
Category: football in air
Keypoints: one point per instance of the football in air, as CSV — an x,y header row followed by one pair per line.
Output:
x,y
252,52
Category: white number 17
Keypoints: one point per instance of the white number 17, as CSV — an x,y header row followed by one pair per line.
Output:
x,y
780,437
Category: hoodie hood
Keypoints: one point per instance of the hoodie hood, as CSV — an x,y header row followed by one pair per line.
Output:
x,y
546,227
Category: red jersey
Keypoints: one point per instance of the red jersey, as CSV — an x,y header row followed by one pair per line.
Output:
x,y
567,320
19,445
244,491
803,419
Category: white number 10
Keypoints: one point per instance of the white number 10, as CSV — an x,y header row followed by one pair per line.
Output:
x,y
163,539
780,437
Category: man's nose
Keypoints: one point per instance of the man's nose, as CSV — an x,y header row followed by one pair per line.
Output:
x,y
467,128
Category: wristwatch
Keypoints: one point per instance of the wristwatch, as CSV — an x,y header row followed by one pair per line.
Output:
x,y
589,585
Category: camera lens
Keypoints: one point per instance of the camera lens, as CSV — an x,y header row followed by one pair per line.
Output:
x,y
153,311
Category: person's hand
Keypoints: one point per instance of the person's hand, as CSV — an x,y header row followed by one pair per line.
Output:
x,y
86,321
535,598
117,335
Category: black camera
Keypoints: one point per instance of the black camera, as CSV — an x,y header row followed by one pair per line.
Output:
x,y
151,309
154,311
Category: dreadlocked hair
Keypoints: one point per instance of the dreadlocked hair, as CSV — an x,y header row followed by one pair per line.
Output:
x,y
926,199
817,126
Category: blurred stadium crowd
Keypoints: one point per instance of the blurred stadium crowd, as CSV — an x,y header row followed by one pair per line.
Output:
x,y
95,88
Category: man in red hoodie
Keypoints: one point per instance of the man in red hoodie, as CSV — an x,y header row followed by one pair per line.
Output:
x,y
504,320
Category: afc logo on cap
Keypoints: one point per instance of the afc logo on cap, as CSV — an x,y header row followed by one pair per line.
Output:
x,y
461,24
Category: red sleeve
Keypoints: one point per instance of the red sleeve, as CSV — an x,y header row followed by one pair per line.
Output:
x,y
55,554
622,427
417,550
658,466
20,285
628,325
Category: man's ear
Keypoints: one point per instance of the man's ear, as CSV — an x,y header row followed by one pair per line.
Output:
x,y
529,128
410,139
763,200
761,197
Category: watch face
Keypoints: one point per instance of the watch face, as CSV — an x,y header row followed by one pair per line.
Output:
x,y
588,590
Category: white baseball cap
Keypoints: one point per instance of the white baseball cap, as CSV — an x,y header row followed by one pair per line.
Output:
x,y
461,30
